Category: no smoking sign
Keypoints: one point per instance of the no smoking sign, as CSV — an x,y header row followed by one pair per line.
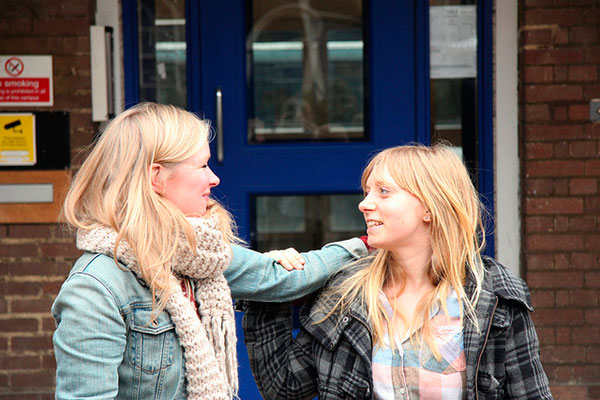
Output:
x,y
26,81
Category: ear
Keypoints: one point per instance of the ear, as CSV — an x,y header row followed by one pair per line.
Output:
x,y
427,216
155,170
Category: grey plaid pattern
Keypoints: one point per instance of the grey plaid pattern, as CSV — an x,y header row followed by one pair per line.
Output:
x,y
333,359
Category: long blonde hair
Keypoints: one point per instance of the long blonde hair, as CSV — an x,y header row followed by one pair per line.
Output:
x,y
113,187
439,179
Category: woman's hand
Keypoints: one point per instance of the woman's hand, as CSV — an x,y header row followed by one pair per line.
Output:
x,y
289,258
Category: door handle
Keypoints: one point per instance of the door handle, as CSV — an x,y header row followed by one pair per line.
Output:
x,y
219,100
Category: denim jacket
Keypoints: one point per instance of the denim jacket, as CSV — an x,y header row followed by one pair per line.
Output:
x,y
105,345
332,358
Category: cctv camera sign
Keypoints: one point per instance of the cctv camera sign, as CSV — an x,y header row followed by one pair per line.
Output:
x,y
26,81
17,139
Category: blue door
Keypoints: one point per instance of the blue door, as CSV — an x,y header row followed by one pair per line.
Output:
x,y
300,92
277,156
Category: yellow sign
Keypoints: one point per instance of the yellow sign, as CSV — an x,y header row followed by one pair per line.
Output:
x,y
17,139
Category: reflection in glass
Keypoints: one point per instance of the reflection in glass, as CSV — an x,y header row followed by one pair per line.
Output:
x,y
162,49
305,70
305,222
453,60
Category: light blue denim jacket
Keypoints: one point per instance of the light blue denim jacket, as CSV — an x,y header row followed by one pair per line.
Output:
x,y
105,347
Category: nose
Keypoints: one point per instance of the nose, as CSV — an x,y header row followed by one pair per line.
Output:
x,y
213,179
366,204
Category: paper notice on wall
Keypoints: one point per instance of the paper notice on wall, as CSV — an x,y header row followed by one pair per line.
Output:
x,y
453,41
17,139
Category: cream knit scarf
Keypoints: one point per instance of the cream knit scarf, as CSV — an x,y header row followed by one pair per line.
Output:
x,y
209,342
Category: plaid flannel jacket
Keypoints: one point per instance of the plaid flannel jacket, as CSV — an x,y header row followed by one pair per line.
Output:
x,y
332,359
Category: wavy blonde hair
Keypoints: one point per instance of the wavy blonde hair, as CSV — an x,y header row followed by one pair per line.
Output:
x,y
113,187
439,179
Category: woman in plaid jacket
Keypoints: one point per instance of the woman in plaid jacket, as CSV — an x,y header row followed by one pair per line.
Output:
x,y
425,316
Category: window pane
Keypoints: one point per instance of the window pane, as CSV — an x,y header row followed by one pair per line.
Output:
x,y
305,222
305,70
453,59
162,51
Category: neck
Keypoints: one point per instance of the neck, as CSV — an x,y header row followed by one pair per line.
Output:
x,y
413,266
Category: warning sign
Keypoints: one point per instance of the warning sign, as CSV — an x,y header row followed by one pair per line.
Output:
x,y
17,139
26,81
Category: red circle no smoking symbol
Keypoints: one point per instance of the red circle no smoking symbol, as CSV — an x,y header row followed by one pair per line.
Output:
x,y
14,66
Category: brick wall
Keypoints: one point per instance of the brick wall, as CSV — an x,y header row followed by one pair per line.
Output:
x,y
559,74
34,258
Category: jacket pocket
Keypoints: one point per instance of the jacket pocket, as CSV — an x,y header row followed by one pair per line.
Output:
x,y
352,387
488,387
501,320
152,341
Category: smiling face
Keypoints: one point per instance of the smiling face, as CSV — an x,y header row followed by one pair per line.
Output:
x,y
187,184
395,218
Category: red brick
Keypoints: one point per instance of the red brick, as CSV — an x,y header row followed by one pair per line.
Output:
x,y
592,204
541,36
561,150
592,242
588,373
550,205
538,150
584,34
557,16
592,168
563,336
561,224
537,112
568,392
549,93
553,56
555,280
34,379
20,288
560,113
554,242
538,74
60,250
32,268
539,224
542,298
31,306
554,168
583,73
579,112
583,186
18,250
61,27
19,325
585,298
30,231
584,260
583,223
542,261
539,187
592,280
591,91
563,354
20,344
19,362
553,132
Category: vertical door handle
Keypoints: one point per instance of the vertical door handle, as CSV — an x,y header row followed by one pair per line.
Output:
x,y
219,99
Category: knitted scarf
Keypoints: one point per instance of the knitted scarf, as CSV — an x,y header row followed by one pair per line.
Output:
x,y
209,342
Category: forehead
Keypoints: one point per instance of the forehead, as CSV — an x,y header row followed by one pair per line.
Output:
x,y
380,176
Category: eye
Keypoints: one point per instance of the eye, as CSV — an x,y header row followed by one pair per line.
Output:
x,y
383,191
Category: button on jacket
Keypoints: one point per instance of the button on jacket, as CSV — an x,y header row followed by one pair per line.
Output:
x,y
332,359
107,346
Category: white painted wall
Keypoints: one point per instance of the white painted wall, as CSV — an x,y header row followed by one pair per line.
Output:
x,y
506,124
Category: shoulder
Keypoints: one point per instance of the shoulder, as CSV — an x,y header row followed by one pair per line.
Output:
x,y
505,284
99,272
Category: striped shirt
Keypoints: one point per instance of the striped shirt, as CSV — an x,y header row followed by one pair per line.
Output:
x,y
412,372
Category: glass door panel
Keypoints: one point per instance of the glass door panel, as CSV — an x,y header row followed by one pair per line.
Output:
x,y
162,51
305,70
453,74
305,221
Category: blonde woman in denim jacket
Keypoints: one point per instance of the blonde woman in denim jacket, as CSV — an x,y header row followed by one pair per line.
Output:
x,y
424,317
146,311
